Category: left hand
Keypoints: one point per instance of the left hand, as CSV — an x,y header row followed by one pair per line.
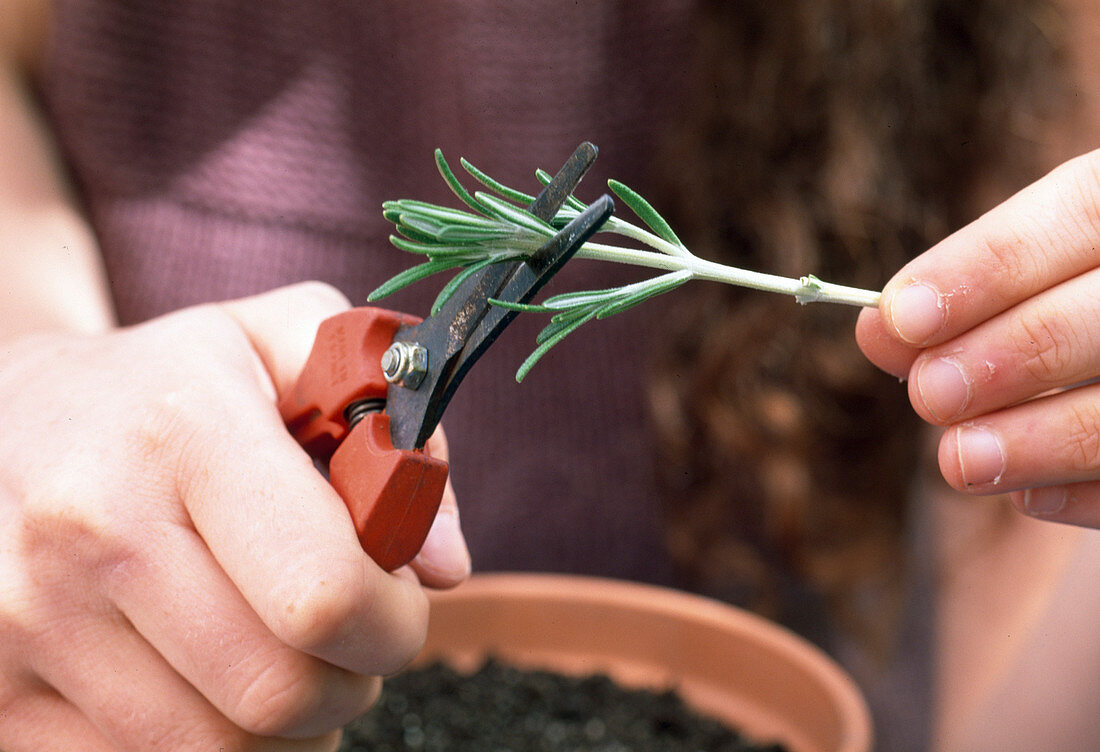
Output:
x,y
997,329
174,572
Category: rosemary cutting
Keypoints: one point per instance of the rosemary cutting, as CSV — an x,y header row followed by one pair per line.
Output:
x,y
496,227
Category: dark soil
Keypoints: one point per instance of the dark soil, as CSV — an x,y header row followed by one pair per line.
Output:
x,y
504,709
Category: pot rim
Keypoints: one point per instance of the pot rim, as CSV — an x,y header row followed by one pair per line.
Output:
x,y
504,592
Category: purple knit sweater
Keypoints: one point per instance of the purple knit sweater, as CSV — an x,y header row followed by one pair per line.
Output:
x,y
224,148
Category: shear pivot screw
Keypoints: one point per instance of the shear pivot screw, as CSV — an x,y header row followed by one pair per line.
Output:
x,y
405,364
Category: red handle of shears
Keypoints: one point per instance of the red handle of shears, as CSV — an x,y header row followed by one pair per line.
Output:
x,y
392,494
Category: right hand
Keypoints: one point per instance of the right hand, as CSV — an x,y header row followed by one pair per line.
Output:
x,y
174,572
995,328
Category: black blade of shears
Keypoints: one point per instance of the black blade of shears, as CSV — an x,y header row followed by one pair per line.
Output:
x,y
527,280
467,324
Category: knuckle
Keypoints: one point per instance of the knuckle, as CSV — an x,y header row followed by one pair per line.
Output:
x,y
1048,345
1010,257
1059,230
62,512
339,618
294,695
1081,198
163,423
83,546
406,646
316,615
86,539
176,431
1082,442
321,295
198,345
277,701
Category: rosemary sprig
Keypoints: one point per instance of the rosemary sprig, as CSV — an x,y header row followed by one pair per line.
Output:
x,y
496,227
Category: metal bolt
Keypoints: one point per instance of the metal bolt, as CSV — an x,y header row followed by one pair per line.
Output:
x,y
405,364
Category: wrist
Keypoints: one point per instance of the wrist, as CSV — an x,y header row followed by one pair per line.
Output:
x,y
55,281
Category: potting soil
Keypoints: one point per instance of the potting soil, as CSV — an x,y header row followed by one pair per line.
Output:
x,y
503,709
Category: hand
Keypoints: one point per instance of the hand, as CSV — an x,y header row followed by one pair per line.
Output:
x,y
174,573
997,329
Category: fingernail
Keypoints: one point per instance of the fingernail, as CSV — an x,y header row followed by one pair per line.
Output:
x,y
943,388
1045,501
917,313
981,457
444,550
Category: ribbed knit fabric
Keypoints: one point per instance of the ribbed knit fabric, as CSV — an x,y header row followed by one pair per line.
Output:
x,y
224,148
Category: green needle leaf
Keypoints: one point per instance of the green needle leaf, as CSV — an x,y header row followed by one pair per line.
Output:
x,y
510,213
656,286
413,234
645,212
520,307
408,277
544,348
456,187
449,289
432,248
518,197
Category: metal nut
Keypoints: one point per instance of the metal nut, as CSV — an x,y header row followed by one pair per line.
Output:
x,y
405,364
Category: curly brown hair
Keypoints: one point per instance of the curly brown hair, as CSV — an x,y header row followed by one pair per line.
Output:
x,y
838,138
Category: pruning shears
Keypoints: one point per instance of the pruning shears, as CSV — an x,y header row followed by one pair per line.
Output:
x,y
377,382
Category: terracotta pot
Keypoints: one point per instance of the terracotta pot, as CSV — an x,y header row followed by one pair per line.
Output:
x,y
754,675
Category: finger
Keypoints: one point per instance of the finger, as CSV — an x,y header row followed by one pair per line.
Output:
x,y
129,695
1043,235
218,644
44,721
437,445
881,347
284,537
1047,342
444,560
1073,504
1052,440
132,698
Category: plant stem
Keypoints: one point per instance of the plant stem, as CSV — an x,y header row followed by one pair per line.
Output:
x,y
807,289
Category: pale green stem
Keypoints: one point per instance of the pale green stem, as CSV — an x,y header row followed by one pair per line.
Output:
x,y
806,290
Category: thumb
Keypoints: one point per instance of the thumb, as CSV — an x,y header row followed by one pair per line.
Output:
x,y
282,324
881,346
